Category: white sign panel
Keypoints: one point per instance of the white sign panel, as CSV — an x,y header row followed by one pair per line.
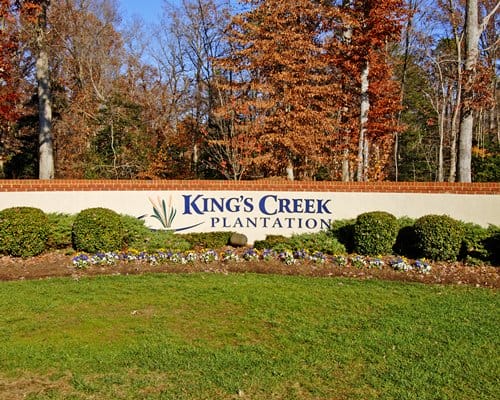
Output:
x,y
257,214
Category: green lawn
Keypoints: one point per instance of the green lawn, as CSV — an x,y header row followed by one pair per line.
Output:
x,y
246,336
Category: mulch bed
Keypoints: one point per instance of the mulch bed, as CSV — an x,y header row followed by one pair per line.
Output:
x,y
58,264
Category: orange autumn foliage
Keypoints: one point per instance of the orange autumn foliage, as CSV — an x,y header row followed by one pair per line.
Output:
x,y
294,82
8,48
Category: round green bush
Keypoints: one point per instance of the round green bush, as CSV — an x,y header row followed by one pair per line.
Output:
x,y
473,250
97,230
23,231
375,233
438,237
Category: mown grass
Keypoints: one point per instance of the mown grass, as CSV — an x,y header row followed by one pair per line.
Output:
x,y
210,336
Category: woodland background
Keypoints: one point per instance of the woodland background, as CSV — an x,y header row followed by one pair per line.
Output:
x,y
298,89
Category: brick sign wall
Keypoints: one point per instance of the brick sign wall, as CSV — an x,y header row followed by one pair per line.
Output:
x,y
255,208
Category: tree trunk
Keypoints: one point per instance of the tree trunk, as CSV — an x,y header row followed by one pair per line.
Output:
x,y
45,141
363,121
441,117
346,176
347,38
453,141
455,116
467,115
366,158
289,171
46,147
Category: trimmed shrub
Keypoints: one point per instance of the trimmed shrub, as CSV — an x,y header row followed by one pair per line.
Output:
x,y
135,233
166,240
319,241
270,242
473,250
23,231
343,231
60,228
438,237
207,240
98,229
375,233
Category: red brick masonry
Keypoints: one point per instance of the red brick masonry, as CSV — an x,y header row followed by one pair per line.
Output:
x,y
490,188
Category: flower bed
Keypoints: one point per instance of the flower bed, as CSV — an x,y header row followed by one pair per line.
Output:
x,y
286,257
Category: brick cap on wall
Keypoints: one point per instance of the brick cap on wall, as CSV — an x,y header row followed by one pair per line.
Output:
x,y
17,185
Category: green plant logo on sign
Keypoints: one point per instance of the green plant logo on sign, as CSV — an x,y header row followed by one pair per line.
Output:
x,y
163,212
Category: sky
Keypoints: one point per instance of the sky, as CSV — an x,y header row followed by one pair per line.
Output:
x,y
149,10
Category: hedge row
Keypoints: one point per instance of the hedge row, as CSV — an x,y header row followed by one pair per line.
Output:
x,y
435,237
27,231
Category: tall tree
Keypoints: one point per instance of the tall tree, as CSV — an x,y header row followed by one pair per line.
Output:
x,y
8,82
442,91
104,97
34,15
369,29
190,38
281,88
473,30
